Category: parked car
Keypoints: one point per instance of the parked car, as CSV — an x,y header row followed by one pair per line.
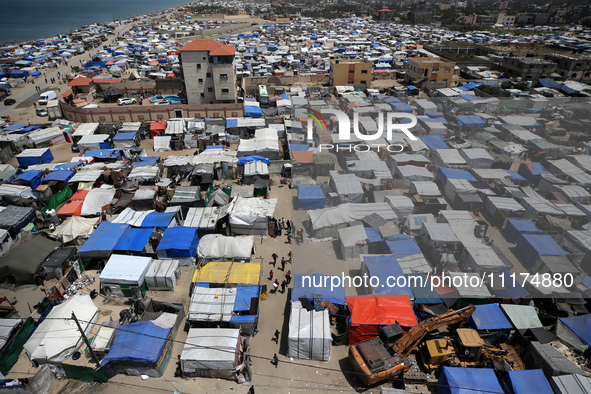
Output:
x,y
9,101
41,112
176,100
126,101
156,98
161,102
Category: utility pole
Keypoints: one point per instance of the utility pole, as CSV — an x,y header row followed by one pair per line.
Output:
x,y
98,364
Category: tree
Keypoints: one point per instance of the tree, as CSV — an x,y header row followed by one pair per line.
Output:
x,y
586,21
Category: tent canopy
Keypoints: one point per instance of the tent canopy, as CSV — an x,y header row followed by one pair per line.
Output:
x,y
102,242
178,242
211,349
382,309
228,272
580,325
318,284
22,261
468,380
528,381
311,197
385,266
142,342
490,317
218,246
133,240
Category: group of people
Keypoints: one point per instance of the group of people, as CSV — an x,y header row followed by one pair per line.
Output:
x,y
276,227
288,275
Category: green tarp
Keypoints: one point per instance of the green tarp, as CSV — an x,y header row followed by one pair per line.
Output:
x,y
56,201
84,374
13,350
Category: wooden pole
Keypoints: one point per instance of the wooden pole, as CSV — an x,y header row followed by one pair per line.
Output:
x,y
98,364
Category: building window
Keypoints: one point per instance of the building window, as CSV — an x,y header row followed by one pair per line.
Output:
x,y
208,75
351,71
364,82
200,80
446,70
210,90
198,66
363,71
225,90
223,76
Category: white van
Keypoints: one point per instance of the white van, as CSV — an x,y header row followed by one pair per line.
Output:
x,y
47,96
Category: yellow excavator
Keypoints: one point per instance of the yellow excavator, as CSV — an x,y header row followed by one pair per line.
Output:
x,y
468,351
385,356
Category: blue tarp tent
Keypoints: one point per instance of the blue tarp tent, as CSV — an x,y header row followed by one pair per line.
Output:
x,y
531,171
158,219
424,293
515,176
245,159
531,246
318,284
311,197
178,242
19,73
30,178
251,108
113,154
62,175
231,123
298,147
401,246
29,129
434,141
31,157
549,83
445,173
139,343
528,381
244,296
514,228
14,127
147,161
124,136
385,266
580,325
373,234
457,380
68,166
470,121
133,240
489,317
102,242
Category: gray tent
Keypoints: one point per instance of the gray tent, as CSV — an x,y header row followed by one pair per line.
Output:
x,y
353,242
20,263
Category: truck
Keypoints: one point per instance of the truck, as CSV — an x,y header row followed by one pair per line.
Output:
x,y
46,97
264,100
53,110
385,356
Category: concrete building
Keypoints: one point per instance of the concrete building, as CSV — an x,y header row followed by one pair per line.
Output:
x,y
350,71
528,69
572,68
420,13
429,69
505,20
385,15
209,72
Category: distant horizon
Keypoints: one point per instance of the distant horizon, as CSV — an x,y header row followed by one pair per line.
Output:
x,y
37,19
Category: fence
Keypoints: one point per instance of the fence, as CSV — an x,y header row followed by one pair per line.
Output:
x,y
285,80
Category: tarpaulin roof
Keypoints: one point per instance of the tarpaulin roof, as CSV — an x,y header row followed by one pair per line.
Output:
x,y
470,121
142,342
457,380
421,287
246,159
531,246
179,242
134,239
528,381
434,141
381,309
490,317
514,228
385,266
318,284
229,273
158,219
580,325
401,246
501,288
452,173
311,197
25,259
32,177
62,175
303,157
244,296
522,316
124,136
103,240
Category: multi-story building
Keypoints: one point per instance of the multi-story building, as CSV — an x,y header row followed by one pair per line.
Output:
x,y
429,69
572,68
209,72
385,15
528,69
350,71
505,20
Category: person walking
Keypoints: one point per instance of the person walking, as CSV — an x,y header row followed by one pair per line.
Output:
x,y
288,223
282,263
283,223
276,336
275,360
271,275
288,277
301,235
283,284
274,256
276,285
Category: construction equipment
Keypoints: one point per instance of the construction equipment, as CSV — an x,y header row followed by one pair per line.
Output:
x,y
468,351
384,357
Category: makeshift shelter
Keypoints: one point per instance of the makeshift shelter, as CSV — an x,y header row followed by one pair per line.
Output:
x,y
101,243
570,384
17,194
370,312
187,197
309,335
179,242
124,140
229,273
514,228
217,246
532,246
124,276
528,381
144,199
311,197
353,242
57,337
385,268
163,274
96,200
550,360
458,380
30,157
489,317
14,219
420,286
134,240
94,142
401,246
59,262
522,317
141,348
250,215
212,353
347,186
22,262
203,219
31,178
6,242
318,286
74,228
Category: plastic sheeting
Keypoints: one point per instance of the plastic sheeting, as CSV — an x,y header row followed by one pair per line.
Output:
x,y
311,197
522,317
211,305
178,242
401,246
133,240
74,227
95,200
227,272
384,267
129,270
102,242
514,228
208,349
162,274
309,334
31,157
528,381
310,286
468,380
217,246
580,325
531,246
489,317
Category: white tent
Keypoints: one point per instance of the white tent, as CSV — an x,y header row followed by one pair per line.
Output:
x,y
74,227
95,200
215,304
353,242
249,215
57,336
162,274
309,334
217,246
121,273
92,141
211,352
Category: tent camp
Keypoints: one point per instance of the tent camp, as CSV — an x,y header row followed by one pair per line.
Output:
x,y
311,197
217,246
457,380
212,353
141,348
385,268
528,381
370,312
514,228
318,285
522,317
123,276
30,157
57,337
179,242
21,262
532,246
96,200
309,335
489,317
353,242
101,243
163,274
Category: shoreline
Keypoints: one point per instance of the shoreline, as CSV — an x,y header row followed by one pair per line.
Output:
x,y
141,17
